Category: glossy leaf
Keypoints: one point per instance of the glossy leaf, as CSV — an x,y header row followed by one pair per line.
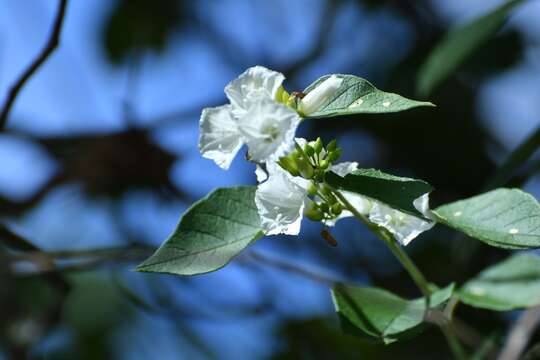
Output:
x,y
210,234
458,44
358,96
506,218
511,284
380,314
394,191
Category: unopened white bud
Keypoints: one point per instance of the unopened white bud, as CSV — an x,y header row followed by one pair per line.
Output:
x,y
320,96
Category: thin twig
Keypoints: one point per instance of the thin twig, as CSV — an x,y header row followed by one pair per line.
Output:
x,y
15,241
288,267
516,159
47,262
520,334
50,46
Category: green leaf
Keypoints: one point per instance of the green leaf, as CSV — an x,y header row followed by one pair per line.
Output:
x,y
396,192
505,218
358,96
380,314
213,231
511,284
458,44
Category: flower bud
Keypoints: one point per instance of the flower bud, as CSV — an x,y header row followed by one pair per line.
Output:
x,y
334,155
314,214
324,164
324,207
305,168
336,209
320,95
282,95
292,102
289,165
318,146
312,189
331,199
309,150
329,238
332,145
325,189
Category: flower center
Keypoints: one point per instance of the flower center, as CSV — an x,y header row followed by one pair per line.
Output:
x,y
271,133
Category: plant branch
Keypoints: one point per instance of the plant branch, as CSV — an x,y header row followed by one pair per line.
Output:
x,y
288,267
47,262
15,241
419,279
50,46
415,273
516,158
520,334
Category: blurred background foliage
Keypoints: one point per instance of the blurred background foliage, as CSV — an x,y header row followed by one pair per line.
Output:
x,y
99,160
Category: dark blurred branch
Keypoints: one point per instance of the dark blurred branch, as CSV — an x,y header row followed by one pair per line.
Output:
x,y
50,46
516,159
520,334
47,261
15,241
285,266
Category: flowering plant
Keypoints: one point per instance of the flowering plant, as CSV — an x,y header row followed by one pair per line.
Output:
x,y
298,178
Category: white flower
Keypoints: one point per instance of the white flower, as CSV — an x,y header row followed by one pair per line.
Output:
x,y
320,95
253,118
281,200
219,138
253,84
268,130
403,226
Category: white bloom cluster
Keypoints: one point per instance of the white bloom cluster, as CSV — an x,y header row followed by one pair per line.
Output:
x,y
256,117
281,200
253,118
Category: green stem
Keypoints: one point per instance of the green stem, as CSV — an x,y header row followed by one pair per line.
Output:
x,y
453,342
416,275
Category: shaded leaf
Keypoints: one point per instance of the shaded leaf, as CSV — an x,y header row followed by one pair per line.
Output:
x,y
358,96
511,284
396,192
380,314
213,231
458,44
505,218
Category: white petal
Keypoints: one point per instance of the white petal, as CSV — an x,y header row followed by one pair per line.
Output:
x,y
255,83
280,203
403,226
268,130
219,139
344,168
320,95
273,168
362,204
260,174
422,204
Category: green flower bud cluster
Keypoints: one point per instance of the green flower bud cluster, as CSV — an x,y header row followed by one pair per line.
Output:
x,y
324,206
282,96
291,100
312,160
